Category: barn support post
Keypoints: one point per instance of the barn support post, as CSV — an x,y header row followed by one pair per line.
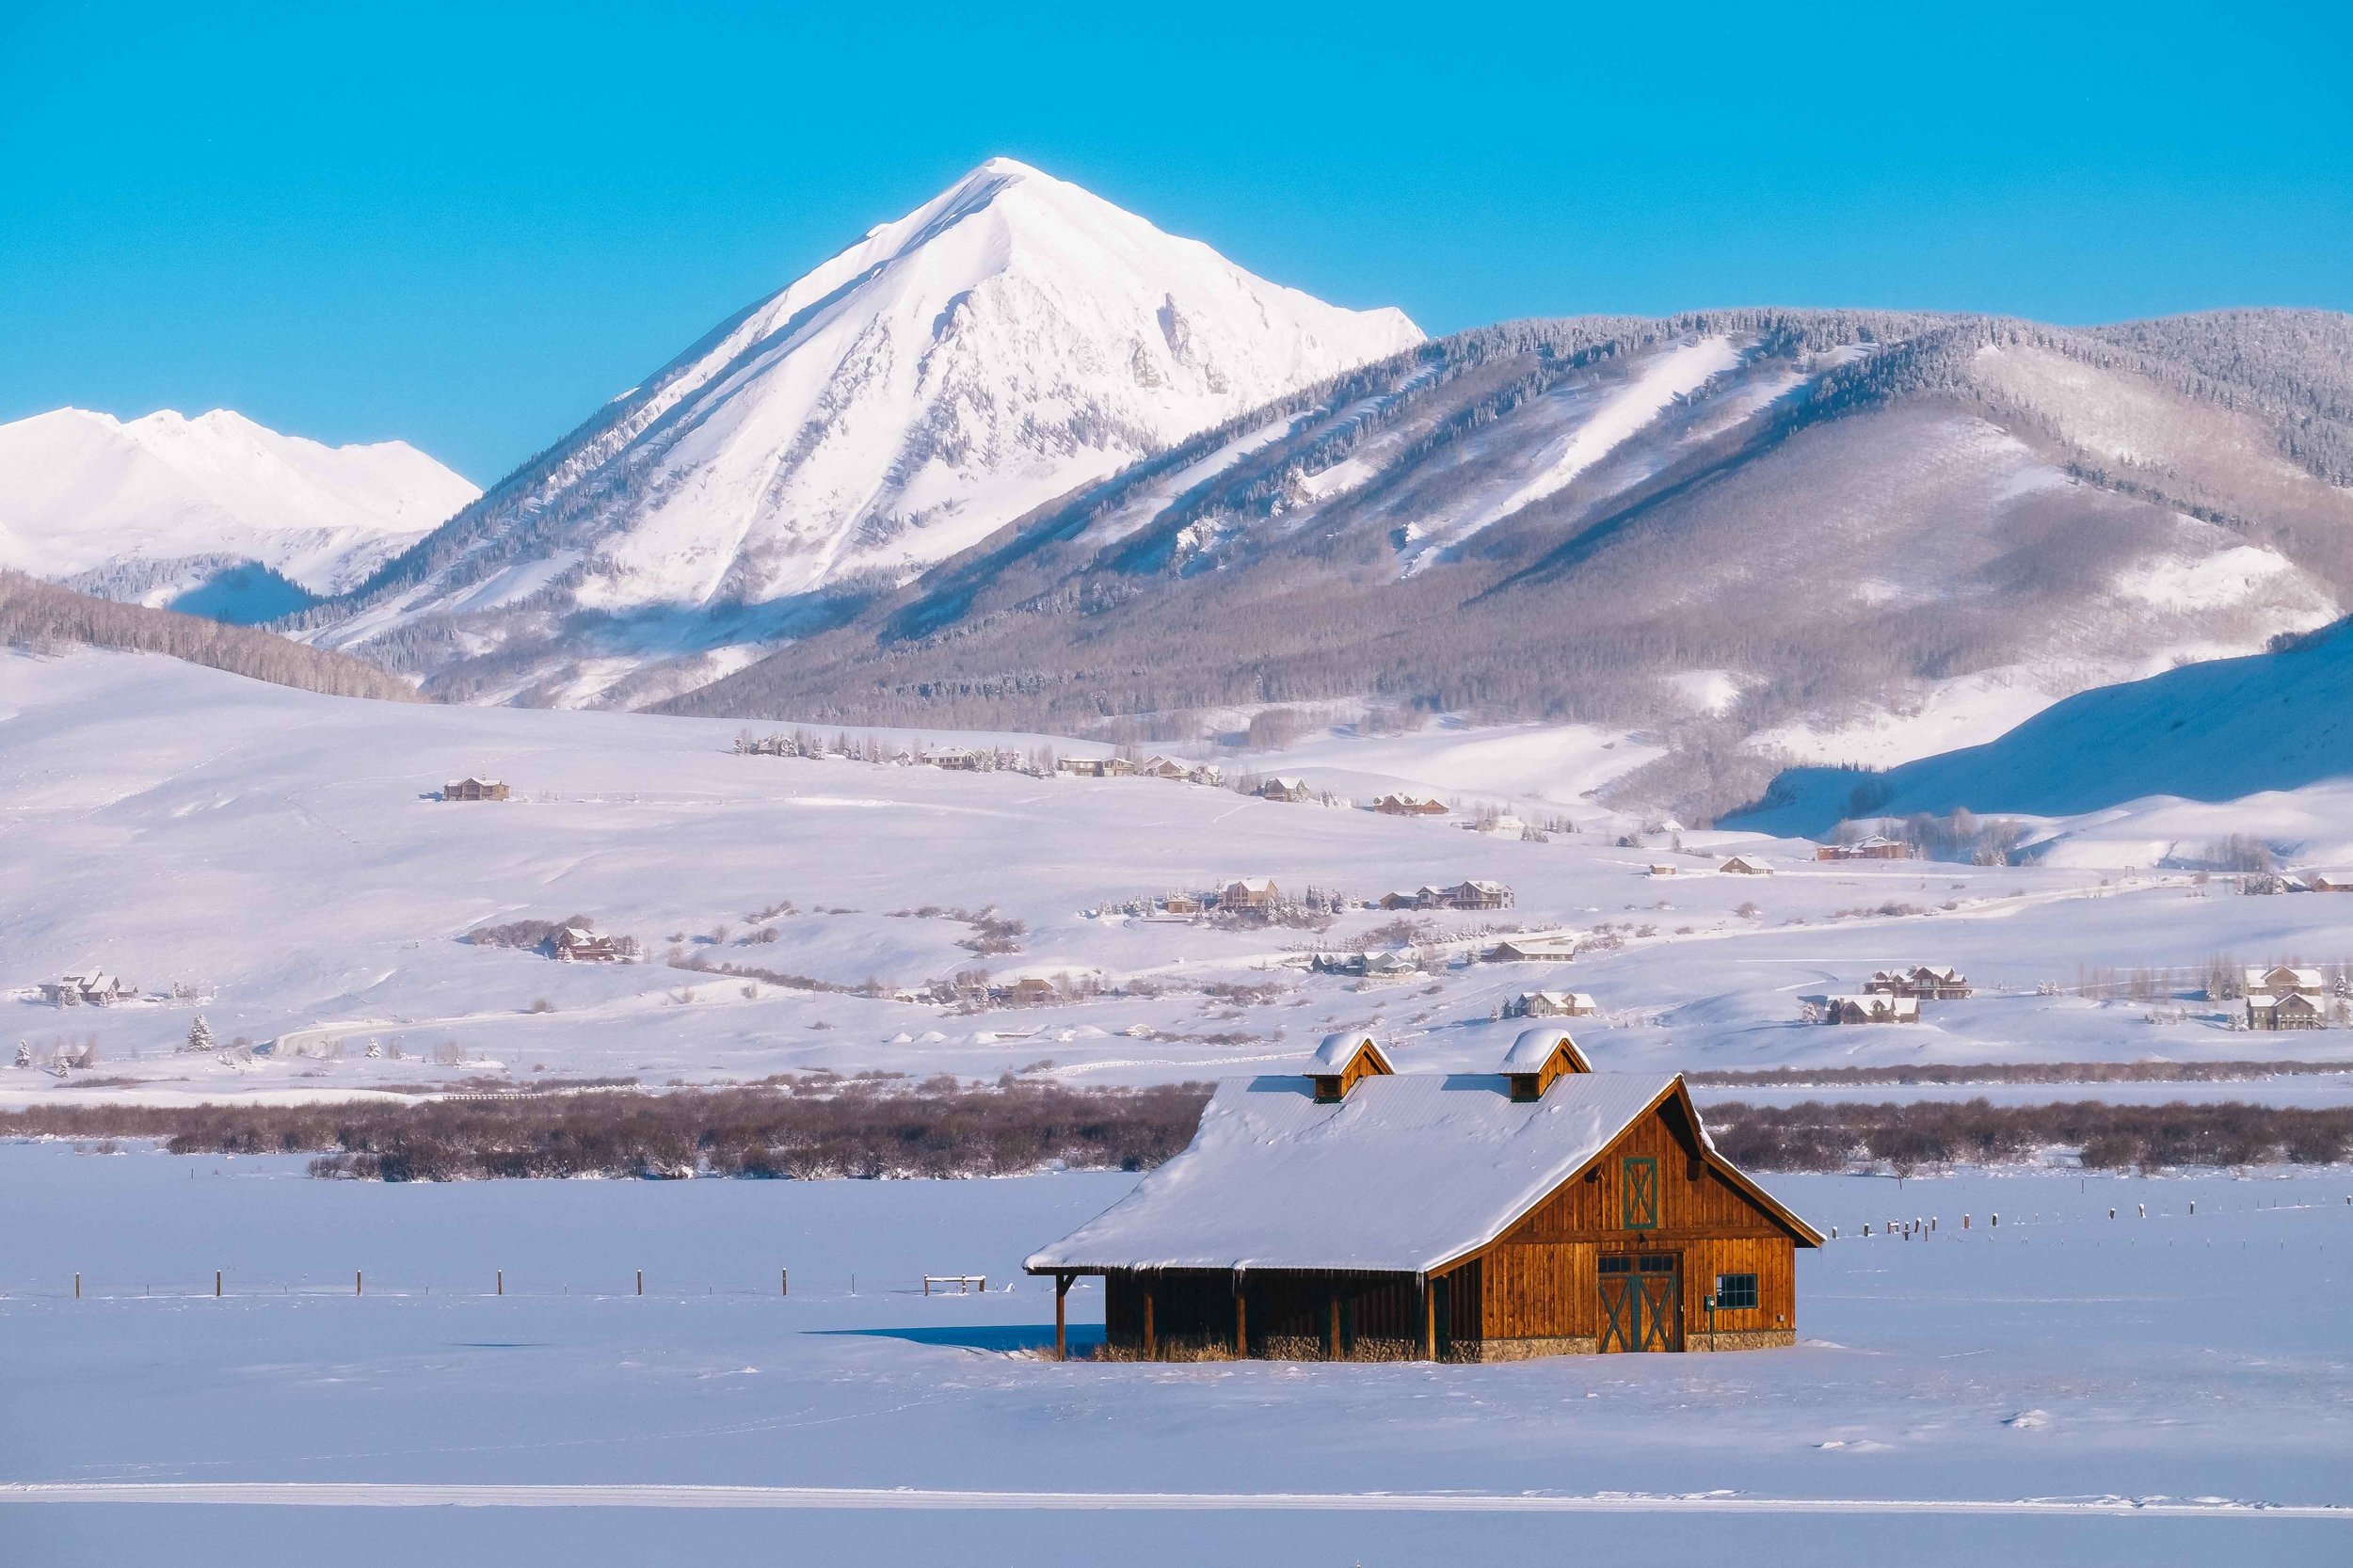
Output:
x,y
1151,1344
1429,1318
1332,1340
1241,1320
1062,1339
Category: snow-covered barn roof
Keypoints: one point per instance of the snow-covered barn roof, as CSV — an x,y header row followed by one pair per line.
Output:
x,y
1406,1175
1534,1046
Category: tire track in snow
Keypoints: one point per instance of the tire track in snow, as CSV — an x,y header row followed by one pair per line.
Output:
x,y
472,1495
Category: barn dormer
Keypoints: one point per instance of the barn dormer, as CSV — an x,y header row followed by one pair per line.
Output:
x,y
1538,1057
1343,1061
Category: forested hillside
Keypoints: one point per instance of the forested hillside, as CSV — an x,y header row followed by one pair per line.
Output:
x,y
1752,532
43,617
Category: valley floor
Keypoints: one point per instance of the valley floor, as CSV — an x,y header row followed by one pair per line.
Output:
x,y
276,856
2065,1358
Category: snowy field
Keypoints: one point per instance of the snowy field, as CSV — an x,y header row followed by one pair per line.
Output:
x,y
276,853
2064,1357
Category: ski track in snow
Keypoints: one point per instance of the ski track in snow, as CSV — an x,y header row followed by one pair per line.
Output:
x,y
465,1494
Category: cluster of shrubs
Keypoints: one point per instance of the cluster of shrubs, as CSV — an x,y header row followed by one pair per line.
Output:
x,y
1842,1135
818,1126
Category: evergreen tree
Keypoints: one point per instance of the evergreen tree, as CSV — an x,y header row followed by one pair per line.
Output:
x,y
200,1035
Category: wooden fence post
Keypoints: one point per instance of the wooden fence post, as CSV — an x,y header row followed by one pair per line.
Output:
x,y
641,1282
502,1285
1062,1341
215,1284
784,1282
356,1284
77,1285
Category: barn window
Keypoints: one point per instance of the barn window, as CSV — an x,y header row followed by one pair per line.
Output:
x,y
1736,1292
1638,1194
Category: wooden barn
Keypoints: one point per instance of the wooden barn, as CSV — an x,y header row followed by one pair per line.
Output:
x,y
1353,1212
475,788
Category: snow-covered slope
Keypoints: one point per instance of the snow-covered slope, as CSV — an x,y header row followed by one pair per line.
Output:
x,y
1010,340
2211,733
1756,536
148,509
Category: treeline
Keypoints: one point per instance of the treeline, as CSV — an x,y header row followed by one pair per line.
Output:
x,y
806,1128
1834,1135
2011,1072
44,618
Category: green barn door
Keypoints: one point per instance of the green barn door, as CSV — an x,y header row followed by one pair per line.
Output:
x,y
1641,1301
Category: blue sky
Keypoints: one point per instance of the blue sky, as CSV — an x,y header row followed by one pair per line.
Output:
x,y
468,225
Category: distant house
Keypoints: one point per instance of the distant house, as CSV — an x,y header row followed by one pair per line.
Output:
x,y
1504,827
1208,773
90,988
1029,991
1401,901
577,944
1249,892
1923,982
2289,1010
1551,1004
1662,868
2330,882
2284,997
2283,979
956,760
1478,895
1534,950
1871,1008
1742,865
1098,767
475,788
1409,806
1283,787
1876,847
1164,767
1181,903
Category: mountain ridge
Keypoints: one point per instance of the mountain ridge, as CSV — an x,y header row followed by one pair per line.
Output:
x,y
953,370
1858,515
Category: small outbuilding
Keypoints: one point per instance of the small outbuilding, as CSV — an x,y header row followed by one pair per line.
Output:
x,y
1409,806
1353,1212
1534,950
1284,787
1746,865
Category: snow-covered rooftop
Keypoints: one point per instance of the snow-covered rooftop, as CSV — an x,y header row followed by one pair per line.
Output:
x,y
1406,1174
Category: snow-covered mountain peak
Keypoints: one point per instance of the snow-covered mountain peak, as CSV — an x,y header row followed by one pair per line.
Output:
x,y
86,495
1010,339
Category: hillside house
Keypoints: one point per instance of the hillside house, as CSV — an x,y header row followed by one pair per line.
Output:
x,y
1384,965
1477,895
1926,982
2289,1010
1401,901
90,988
1661,868
1349,1211
1096,767
1745,865
1876,847
1534,950
2284,997
577,944
1029,991
1283,787
2330,882
1180,903
956,760
475,788
1250,893
1871,1008
1164,767
2283,980
1551,1004
1409,806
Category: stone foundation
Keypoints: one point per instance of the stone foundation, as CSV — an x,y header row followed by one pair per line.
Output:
x,y
1742,1339
1529,1349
